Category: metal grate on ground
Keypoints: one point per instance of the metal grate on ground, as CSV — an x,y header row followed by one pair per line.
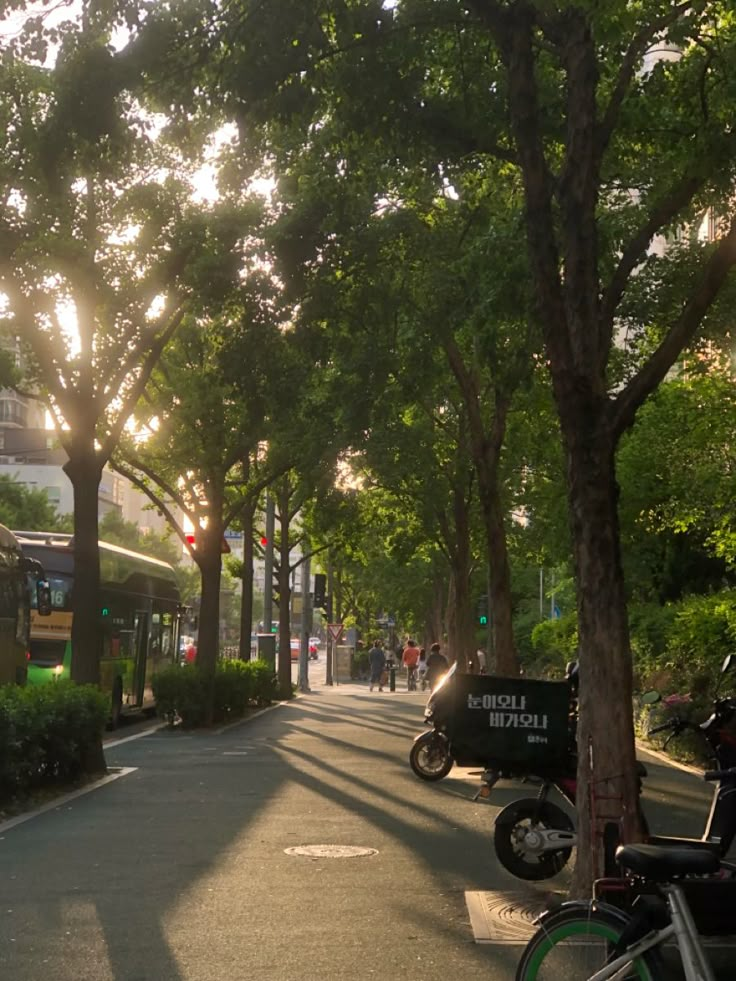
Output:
x,y
503,917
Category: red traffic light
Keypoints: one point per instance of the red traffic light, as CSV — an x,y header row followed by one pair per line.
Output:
x,y
264,540
191,539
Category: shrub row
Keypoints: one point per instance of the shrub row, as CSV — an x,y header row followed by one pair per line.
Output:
x,y
185,691
676,648
49,735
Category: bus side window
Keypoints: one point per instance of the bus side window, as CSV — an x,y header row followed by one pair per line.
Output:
x,y
43,598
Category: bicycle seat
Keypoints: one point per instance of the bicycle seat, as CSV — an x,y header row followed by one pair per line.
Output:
x,y
663,864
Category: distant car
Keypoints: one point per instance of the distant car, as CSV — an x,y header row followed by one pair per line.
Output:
x,y
314,643
296,646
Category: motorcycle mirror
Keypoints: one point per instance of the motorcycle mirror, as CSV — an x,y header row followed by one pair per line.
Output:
x,y
651,697
727,662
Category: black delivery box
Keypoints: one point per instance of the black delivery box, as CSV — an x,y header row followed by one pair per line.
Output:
x,y
510,722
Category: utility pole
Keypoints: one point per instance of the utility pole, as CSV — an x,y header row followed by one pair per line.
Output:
x,y
306,623
268,564
332,605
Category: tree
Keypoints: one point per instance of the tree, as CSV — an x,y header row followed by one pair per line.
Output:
x,y
580,106
27,509
96,234
200,430
569,94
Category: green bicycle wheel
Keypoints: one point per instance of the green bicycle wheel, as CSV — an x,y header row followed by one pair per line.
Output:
x,y
574,944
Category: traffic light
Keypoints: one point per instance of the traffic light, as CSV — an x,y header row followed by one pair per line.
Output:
x,y
320,590
481,609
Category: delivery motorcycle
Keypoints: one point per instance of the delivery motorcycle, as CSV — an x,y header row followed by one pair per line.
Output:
x,y
431,754
471,717
534,838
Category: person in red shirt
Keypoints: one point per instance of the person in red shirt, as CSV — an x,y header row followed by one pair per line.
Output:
x,y
410,659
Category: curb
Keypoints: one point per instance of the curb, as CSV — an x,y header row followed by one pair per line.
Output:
x,y
664,758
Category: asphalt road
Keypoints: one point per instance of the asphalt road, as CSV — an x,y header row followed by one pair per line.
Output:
x,y
177,871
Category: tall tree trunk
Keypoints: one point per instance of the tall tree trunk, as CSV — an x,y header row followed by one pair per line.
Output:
x,y
462,640
486,447
607,782
85,472
505,660
284,666
209,560
450,616
246,598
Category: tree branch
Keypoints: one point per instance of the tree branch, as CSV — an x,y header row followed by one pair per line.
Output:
x,y
121,467
664,211
154,353
654,370
627,70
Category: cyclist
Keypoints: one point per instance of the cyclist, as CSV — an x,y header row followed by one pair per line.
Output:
x,y
410,659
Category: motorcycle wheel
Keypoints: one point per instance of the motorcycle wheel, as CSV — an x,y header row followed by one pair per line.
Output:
x,y
430,757
514,823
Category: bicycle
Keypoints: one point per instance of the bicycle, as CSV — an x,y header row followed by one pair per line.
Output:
x,y
597,941
411,679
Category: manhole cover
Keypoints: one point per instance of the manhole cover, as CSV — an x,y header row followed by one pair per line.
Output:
x,y
501,917
331,851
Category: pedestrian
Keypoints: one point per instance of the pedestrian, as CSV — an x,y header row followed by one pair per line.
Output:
x,y
480,655
410,659
422,668
377,660
436,665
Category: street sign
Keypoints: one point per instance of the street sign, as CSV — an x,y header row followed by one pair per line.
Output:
x,y
335,630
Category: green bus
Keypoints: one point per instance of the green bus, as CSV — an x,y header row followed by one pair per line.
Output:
x,y
17,574
140,609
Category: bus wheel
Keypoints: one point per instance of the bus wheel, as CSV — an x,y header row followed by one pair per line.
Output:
x,y
116,704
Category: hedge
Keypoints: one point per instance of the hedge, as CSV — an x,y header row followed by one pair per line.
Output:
x,y
183,691
49,735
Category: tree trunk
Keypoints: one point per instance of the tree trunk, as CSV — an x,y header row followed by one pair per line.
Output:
x,y
85,472
450,616
486,446
246,598
505,660
284,666
462,646
436,630
209,560
607,782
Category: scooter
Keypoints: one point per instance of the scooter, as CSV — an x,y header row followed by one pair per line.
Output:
x,y
720,826
534,838
431,755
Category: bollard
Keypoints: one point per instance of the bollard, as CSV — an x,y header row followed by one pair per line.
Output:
x,y
392,677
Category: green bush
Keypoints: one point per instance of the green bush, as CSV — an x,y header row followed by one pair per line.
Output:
x,y
680,647
184,691
51,734
555,643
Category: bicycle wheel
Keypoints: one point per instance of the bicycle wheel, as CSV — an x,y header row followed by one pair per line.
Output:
x,y
573,944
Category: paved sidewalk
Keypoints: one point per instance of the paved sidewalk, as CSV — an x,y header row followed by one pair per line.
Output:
x,y
179,871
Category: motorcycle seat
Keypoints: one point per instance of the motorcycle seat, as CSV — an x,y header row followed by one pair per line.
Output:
x,y
664,864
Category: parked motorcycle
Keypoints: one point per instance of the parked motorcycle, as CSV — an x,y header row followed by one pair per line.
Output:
x,y
719,732
534,838
431,756
493,723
